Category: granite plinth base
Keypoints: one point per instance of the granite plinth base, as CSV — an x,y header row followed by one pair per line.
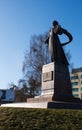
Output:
x,y
50,98
72,103
46,105
39,99
65,105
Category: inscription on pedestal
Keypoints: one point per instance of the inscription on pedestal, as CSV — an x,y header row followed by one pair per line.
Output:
x,y
48,76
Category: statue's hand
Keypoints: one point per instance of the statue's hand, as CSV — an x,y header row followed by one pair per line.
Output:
x,y
58,30
47,40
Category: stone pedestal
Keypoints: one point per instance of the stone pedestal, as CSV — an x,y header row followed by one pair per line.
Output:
x,y
48,80
56,85
56,89
56,82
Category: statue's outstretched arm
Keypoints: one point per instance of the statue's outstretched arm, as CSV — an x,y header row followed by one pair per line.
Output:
x,y
68,35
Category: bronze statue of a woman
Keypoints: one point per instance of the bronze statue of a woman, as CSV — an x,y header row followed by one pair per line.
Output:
x,y
55,47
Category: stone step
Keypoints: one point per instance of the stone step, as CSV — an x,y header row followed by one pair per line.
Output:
x,y
45,105
26,105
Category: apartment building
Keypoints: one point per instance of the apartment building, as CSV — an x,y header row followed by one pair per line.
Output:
x,y
76,80
7,95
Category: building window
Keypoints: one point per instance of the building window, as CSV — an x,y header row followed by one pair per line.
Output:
x,y
81,76
74,77
74,83
76,95
75,89
81,89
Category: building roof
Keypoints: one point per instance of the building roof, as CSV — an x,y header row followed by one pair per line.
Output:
x,y
77,70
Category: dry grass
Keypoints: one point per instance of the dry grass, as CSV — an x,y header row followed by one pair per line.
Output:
x,y
40,119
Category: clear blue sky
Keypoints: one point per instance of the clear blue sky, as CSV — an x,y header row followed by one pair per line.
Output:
x,y
20,19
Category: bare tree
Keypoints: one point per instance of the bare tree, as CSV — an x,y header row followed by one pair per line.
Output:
x,y
33,61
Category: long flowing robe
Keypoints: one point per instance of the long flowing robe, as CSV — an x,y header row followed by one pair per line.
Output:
x,y
55,47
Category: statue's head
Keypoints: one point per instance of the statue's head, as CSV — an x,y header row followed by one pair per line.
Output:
x,y
55,23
